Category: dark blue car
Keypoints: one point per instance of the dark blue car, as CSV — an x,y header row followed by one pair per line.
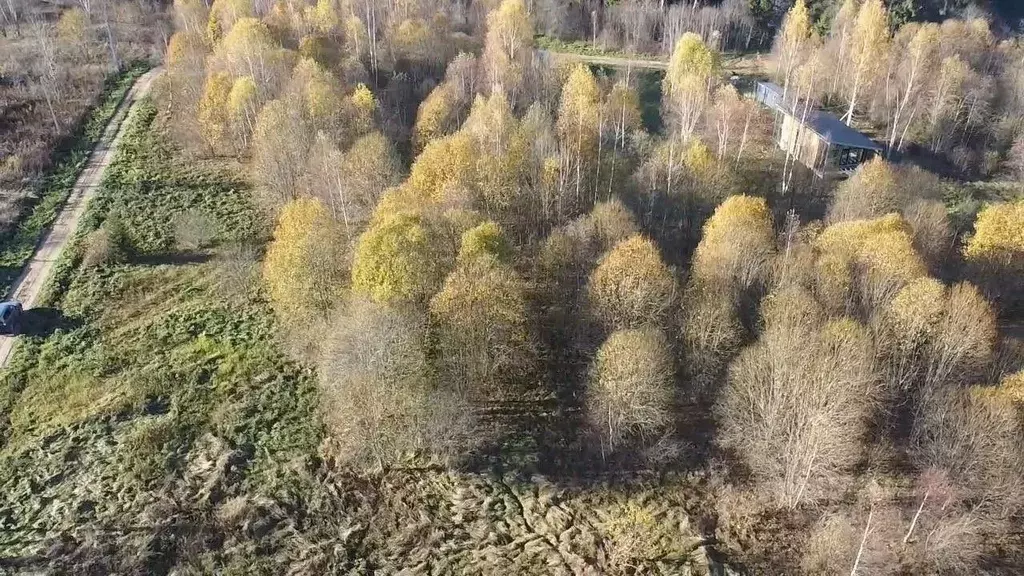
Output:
x,y
10,318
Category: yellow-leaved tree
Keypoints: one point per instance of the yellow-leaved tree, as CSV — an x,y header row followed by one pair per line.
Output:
x,y
631,286
480,320
792,41
399,258
320,95
486,239
214,119
224,14
995,253
243,106
249,49
73,27
691,78
446,166
868,46
931,337
305,266
508,47
579,129
866,262
737,246
872,191
436,117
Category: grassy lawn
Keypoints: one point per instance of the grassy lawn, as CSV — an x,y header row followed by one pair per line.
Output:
x,y
39,211
148,362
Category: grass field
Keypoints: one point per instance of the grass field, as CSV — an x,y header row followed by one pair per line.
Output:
x,y
154,426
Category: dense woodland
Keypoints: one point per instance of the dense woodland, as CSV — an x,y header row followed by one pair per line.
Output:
x,y
683,299
492,261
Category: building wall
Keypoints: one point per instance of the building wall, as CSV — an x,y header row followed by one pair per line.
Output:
x,y
803,143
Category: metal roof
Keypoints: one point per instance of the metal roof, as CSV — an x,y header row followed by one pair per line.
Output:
x,y
830,128
834,131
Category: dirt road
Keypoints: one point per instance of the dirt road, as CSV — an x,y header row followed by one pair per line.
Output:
x,y
29,284
752,64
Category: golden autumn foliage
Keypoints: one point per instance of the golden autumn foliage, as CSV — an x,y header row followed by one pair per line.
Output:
x,y
224,15
1012,387
445,165
214,118
631,286
689,82
481,324
737,244
998,235
399,259
249,49
995,253
691,65
73,26
792,38
579,112
243,106
364,106
323,17
184,49
630,389
436,117
866,261
872,191
486,239
932,336
915,312
508,47
304,269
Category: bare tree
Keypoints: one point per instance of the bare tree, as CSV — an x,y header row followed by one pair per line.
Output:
x,y
630,389
796,403
50,73
379,402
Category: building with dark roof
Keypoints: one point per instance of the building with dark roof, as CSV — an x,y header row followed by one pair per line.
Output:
x,y
819,140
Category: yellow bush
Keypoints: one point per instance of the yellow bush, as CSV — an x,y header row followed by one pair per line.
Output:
x,y
872,258
398,260
305,266
631,286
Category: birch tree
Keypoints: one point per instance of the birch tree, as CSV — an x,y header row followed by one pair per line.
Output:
x,y
791,42
868,49
915,57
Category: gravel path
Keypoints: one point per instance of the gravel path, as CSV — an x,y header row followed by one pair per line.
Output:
x,y
29,284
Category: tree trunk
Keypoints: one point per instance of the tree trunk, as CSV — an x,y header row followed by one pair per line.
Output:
x,y
917,515
863,540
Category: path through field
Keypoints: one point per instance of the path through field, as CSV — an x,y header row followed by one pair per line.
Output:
x,y
29,284
751,64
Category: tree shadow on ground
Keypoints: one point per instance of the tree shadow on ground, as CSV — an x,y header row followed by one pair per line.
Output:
x,y
173,258
43,321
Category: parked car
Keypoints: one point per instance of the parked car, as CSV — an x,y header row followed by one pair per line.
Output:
x,y
10,317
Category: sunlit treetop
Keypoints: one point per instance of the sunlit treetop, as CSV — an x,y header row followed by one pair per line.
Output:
x,y
485,240
998,235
